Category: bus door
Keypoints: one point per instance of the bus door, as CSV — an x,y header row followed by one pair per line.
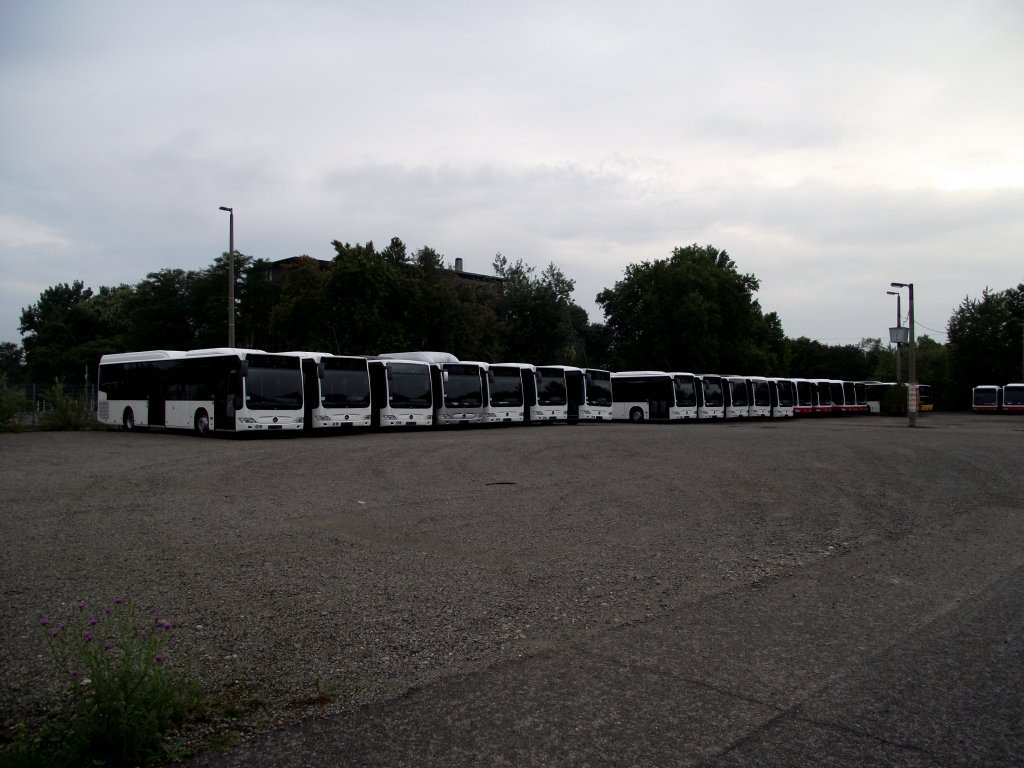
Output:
x,y
311,373
574,393
227,396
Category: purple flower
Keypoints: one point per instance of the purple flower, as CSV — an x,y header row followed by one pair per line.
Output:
x,y
158,659
93,622
54,633
81,606
74,673
87,635
44,622
118,600
107,646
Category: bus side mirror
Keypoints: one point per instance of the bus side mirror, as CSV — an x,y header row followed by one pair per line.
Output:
x,y
245,368
444,376
320,370
490,377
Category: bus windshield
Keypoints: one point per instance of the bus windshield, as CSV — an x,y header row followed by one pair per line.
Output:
x,y
463,388
506,387
1012,395
986,397
738,390
273,389
762,397
409,385
713,396
599,388
551,389
785,390
686,395
345,388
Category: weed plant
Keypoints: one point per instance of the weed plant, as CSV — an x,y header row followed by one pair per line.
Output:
x,y
121,693
65,412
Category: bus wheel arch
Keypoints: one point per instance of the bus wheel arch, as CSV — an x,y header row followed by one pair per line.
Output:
x,y
202,422
128,419
636,415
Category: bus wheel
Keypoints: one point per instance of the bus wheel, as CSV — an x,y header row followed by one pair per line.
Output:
x,y
636,415
202,422
128,420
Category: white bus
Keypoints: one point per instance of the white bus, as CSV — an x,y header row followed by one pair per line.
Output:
x,y
737,397
207,390
760,406
986,398
552,395
511,389
653,395
823,398
783,397
336,391
1013,398
710,396
590,394
806,397
402,393
458,386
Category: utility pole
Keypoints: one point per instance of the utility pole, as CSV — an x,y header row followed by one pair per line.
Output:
x,y
899,344
231,275
912,374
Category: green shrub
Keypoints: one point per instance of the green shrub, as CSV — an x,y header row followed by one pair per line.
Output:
x,y
65,412
894,402
121,693
14,407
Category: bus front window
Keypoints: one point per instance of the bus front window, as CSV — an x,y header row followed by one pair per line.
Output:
x,y
273,389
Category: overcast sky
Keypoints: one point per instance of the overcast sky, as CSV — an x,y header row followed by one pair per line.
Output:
x,y
830,148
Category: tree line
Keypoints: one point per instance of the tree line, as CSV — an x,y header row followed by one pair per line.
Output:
x,y
691,311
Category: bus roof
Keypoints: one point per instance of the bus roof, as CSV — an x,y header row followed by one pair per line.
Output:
x,y
137,357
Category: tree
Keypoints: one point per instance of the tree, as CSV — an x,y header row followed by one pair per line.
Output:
x,y
693,311
985,344
537,317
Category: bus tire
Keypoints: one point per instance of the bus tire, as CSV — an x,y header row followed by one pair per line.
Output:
x,y
128,420
202,422
636,415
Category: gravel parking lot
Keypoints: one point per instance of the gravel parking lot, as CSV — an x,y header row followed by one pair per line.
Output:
x,y
315,576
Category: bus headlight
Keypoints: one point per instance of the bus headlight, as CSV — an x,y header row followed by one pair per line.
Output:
x,y
247,419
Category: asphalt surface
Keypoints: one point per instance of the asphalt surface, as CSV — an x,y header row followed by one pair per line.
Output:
x,y
896,642
841,592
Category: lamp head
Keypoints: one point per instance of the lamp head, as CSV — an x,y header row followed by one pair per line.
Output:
x,y
225,208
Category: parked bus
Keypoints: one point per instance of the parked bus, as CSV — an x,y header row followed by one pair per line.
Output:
x,y
860,396
552,395
402,393
207,390
823,399
986,398
710,397
458,386
737,397
925,403
511,390
461,386
806,395
760,397
653,395
783,398
336,391
1013,398
590,394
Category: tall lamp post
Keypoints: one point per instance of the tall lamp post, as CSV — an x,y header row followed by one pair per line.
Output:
x,y
912,373
899,344
231,274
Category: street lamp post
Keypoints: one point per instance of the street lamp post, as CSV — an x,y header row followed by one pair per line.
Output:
x,y
899,344
231,275
912,373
